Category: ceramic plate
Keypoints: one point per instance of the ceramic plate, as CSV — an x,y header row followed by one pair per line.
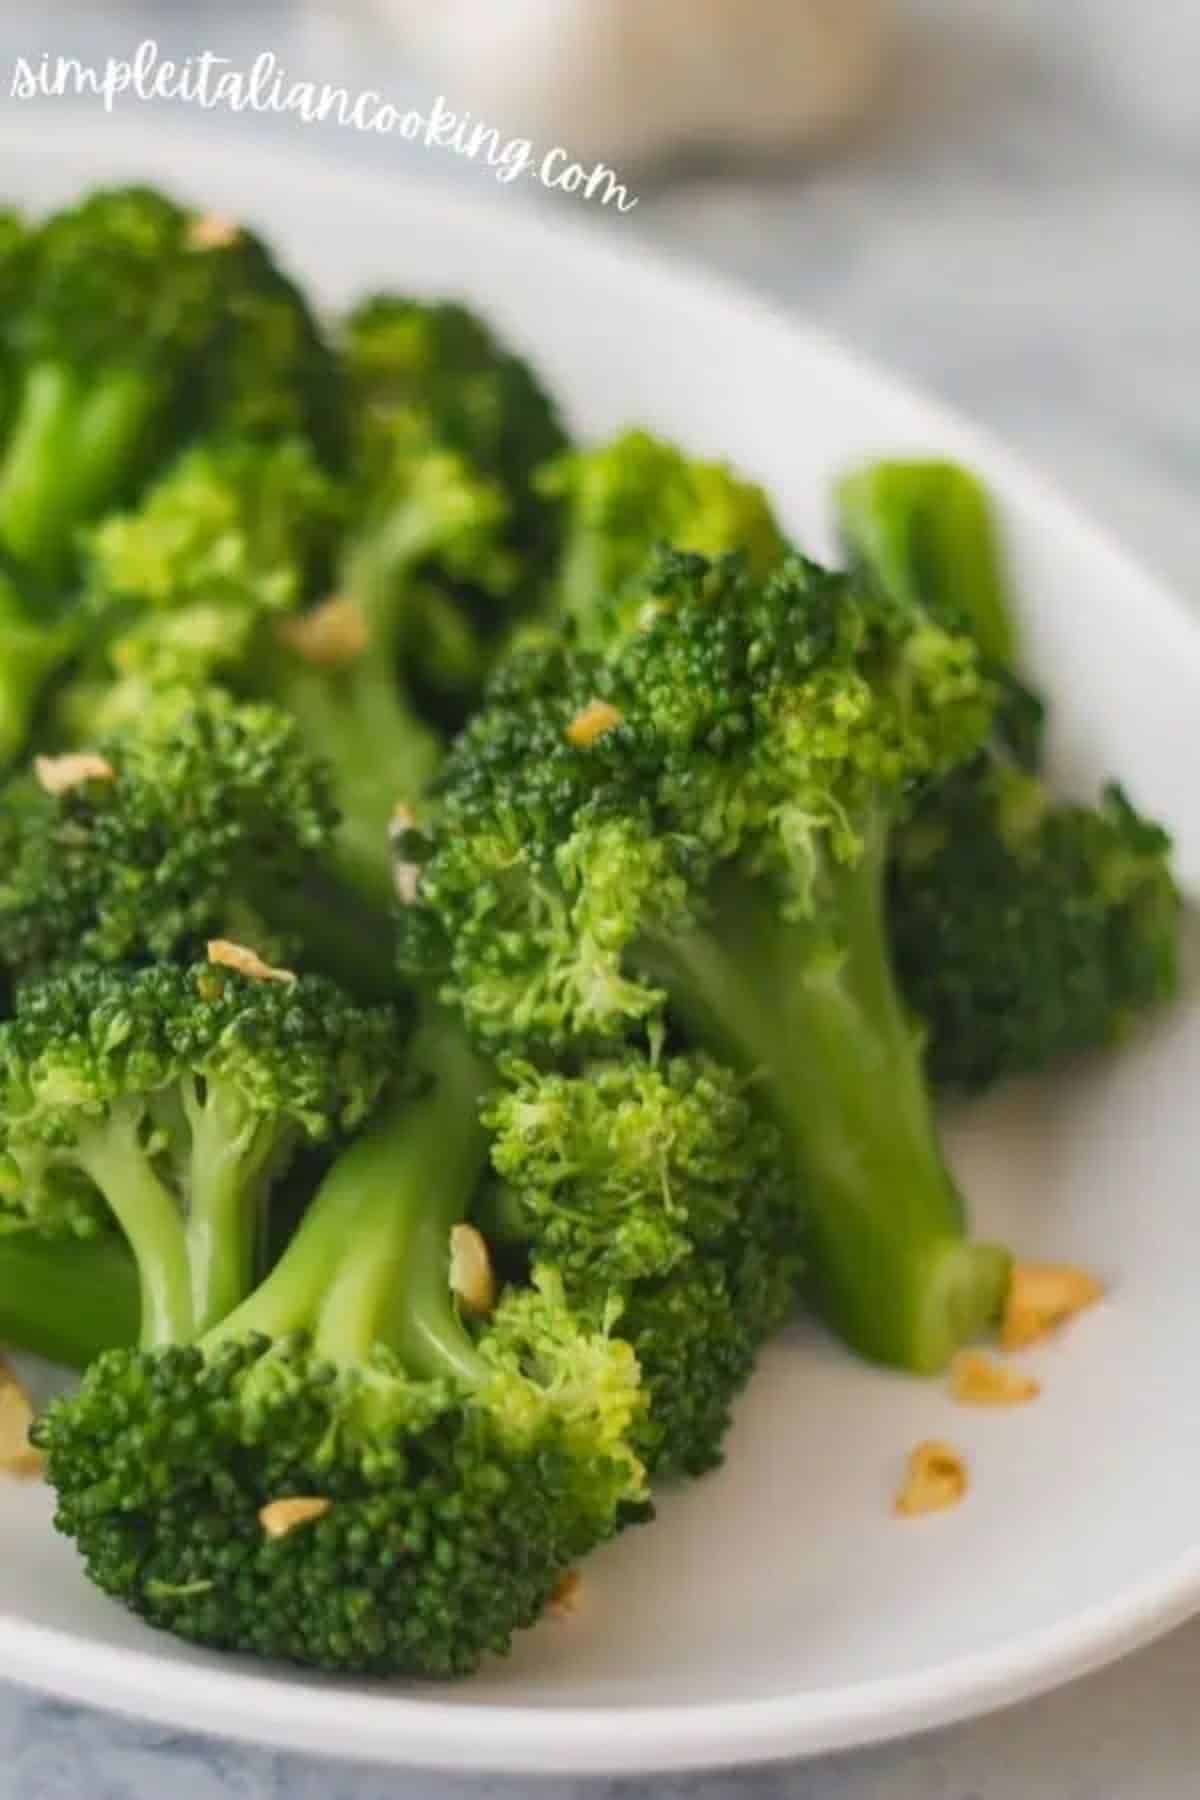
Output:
x,y
777,1607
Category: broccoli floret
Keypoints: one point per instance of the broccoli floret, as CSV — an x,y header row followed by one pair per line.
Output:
x,y
206,819
141,325
1024,929
698,828
244,564
624,500
192,584
449,1477
663,1202
1027,929
177,1096
65,1299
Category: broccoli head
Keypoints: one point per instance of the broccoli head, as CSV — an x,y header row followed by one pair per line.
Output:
x,y
626,499
140,324
344,1473
1027,929
176,1097
1024,929
194,824
663,1202
696,828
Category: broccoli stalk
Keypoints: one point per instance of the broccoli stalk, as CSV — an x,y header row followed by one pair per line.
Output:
x,y
923,531
826,1034
694,829
447,1478
65,1299
178,1096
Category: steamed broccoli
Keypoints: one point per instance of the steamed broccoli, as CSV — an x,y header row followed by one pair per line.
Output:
x,y
245,564
442,1479
140,324
64,1299
663,1202
206,819
1024,928
623,501
697,828
177,1097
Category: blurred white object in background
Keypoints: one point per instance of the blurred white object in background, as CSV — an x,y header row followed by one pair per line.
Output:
x,y
626,79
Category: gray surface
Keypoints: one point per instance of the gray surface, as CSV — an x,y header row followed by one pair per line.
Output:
x,y
1019,230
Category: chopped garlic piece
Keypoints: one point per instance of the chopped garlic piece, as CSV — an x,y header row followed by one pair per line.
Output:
x,y
1042,1296
406,876
564,1602
213,231
246,962
17,1454
471,1276
330,636
59,774
589,725
279,1517
979,1380
936,1479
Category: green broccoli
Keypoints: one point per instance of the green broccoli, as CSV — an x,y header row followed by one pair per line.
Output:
x,y
625,499
178,1096
246,565
142,325
66,1299
442,1479
698,828
1025,929
206,819
662,1201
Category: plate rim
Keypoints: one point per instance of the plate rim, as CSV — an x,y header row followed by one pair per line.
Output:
x,y
501,1737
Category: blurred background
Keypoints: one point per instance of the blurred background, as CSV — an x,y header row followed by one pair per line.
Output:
x,y
1001,199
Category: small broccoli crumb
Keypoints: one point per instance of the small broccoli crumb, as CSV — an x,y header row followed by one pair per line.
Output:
x,y
279,1517
936,1479
60,774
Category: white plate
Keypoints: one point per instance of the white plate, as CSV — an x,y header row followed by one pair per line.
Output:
x,y
777,1607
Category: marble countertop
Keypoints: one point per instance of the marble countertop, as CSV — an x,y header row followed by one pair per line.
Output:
x,y
1018,228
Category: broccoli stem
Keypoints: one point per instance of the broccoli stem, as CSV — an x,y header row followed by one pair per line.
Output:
x,y
231,1152
379,753
923,532
74,445
67,1300
824,1029
370,1262
113,1155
